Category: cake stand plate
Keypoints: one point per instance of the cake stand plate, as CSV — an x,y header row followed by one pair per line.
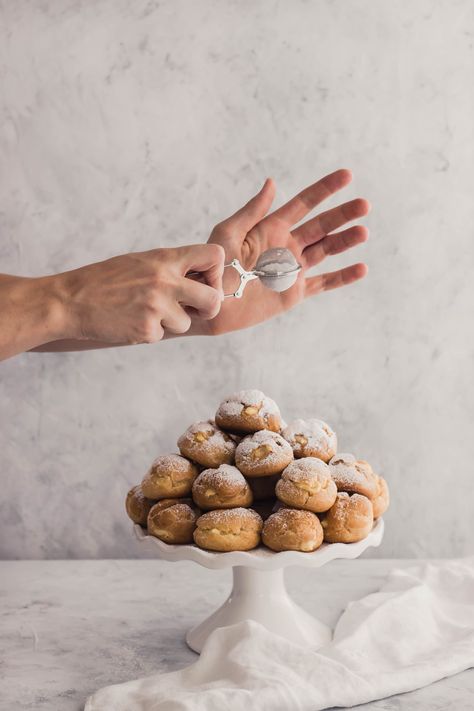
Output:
x,y
258,592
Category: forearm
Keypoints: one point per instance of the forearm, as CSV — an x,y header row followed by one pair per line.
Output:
x,y
69,344
133,298
31,313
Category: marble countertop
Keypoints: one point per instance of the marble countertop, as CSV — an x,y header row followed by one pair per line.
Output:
x,y
70,627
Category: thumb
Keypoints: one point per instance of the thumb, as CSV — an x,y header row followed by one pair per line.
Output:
x,y
256,208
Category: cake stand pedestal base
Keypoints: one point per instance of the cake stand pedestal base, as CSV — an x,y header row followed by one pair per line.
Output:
x,y
259,592
261,595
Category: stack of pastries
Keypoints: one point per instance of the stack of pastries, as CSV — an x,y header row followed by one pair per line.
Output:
x,y
246,478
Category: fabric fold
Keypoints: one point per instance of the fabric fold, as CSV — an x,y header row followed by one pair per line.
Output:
x,y
417,629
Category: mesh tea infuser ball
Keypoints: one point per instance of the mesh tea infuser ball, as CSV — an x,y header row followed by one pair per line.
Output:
x,y
276,268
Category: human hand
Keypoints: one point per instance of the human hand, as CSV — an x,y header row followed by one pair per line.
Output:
x,y
250,231
138,297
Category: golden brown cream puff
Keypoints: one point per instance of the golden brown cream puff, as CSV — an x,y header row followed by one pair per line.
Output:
x,y
307,484
137,505
353,475
311,438
206,444
221,488
262,454
248,411
173,520
381,500
228,530
169,476
349,519
292,530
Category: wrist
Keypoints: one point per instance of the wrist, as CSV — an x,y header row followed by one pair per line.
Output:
x,y
54,295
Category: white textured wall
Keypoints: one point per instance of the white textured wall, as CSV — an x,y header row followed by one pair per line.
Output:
x,y
127,125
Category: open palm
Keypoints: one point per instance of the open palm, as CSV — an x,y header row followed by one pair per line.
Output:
x,y
250,231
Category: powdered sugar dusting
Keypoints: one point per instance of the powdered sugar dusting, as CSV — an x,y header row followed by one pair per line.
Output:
x,y
346,476
307,469
137,493
343,458
171,462
346,472
215,436
279,447
317,433
344,506
224,474
233,405
231,516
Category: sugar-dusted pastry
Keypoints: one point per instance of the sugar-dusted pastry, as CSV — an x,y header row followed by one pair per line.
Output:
x,y
169,476
353,475
228,530
207,445
221,488
137,505
248,411
292,530
369,484
307,484
173,520
350,519
311,438
263,487
381,500
262,454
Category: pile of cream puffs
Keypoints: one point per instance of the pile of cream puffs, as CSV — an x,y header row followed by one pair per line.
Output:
x,y
247,478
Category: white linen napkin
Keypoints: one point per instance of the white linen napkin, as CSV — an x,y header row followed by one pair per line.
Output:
x,y
417,629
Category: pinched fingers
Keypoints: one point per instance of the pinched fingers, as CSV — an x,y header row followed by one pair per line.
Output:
x,y
205,299
176,319
208,260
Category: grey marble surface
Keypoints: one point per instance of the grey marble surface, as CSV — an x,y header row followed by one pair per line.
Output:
x,y
127,125
71,627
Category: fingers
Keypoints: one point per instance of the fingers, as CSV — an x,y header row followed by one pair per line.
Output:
x,y
176,320
328,221
333,244
208,260
299,206
206,300
253,211
333,280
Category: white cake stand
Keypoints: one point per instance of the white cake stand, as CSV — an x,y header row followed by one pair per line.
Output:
x,y
258,592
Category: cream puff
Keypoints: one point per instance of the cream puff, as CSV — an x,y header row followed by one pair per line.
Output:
x,y
221,488
349,519
292,530
207,445
381,500
311,438
262,454
173,520
307,484
170,476
353,475
137,505
248,411
228,530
